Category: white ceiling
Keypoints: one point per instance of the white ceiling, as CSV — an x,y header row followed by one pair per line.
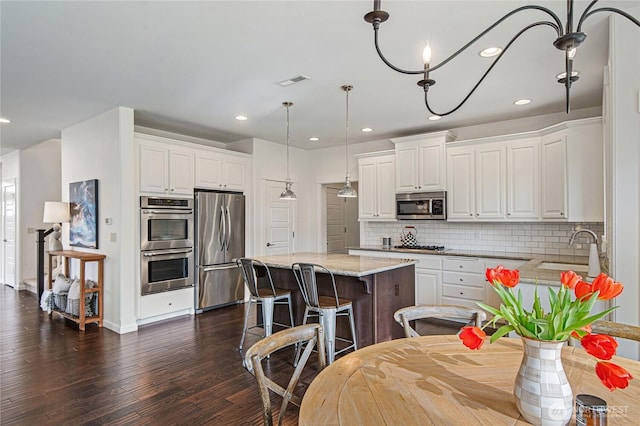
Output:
x,y
190,67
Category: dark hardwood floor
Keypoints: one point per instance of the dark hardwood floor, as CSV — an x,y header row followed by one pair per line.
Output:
x,y
186,370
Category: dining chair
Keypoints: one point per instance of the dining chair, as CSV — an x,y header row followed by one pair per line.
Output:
x,y
616,329
412,313
309,334
267,297
326,308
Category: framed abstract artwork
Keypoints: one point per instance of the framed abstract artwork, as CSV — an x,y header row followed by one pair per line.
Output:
x,y
83,205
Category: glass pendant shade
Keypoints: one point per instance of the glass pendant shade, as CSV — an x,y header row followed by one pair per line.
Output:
x,y
288,194
347,190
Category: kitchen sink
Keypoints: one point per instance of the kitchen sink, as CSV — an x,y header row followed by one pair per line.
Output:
x,y
563,266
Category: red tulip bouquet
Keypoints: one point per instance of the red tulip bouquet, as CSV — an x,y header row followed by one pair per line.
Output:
x,y
567,318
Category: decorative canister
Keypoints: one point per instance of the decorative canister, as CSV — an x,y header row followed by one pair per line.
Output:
x,y
590,410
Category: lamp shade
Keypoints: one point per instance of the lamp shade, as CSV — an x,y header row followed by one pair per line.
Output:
x,y
56,212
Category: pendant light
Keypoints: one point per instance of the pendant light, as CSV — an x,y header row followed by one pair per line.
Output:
x,y
347,191
288,194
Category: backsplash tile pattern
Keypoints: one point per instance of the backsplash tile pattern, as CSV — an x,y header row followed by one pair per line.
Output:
x,y
534,237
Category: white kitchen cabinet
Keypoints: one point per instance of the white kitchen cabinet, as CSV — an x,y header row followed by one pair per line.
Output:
x,y
461,183
220,171
165,170
490,181
523,180
571,170
462,281
376,200
553,152
166,304
428,280
420,162
476,182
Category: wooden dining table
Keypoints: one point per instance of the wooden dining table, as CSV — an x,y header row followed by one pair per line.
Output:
x,y
436,380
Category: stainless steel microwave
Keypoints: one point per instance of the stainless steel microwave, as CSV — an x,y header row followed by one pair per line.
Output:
x,y
422,206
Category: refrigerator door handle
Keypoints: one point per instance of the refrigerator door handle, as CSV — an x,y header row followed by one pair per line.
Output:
x,y
228,233
222,229
220,268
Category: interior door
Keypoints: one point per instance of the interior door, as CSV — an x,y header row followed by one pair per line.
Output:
x,y
279,217
336,227
9,233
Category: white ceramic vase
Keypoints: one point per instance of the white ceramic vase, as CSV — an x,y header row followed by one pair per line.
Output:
x,y
542,392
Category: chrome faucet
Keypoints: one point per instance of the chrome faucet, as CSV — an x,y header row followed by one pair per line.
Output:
x,y
594,258
588,231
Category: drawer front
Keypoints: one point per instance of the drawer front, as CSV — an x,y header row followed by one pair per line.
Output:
x,y
429,262
507,263
462,292
463,264
165,303
446,300
464,279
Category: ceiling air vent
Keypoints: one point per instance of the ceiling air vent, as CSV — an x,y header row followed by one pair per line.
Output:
x,y
293,80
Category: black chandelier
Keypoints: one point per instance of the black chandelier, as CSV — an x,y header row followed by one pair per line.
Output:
x,y
567,40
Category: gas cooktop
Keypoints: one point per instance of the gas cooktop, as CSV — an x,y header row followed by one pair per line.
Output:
x,y
430,247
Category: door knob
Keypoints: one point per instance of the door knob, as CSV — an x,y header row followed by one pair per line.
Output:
x,y
269,244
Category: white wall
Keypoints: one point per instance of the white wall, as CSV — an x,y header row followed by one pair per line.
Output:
x,y
40,182
270,163
37,174
102,148
625,170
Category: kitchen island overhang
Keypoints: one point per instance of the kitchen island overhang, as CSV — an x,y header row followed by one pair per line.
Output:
x,y
377,288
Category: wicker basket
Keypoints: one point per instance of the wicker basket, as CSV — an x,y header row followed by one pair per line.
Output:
x,y
60,301
73,306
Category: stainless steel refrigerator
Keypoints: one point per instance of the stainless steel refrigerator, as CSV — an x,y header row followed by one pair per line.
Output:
x,y
219,235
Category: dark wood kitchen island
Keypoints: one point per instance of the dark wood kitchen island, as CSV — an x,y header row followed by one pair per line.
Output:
x,y
376,286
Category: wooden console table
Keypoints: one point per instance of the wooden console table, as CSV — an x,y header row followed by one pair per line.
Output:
x,y
83,257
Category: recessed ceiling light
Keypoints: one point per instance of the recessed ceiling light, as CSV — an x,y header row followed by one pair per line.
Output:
x,y
490,52
314,139
241,118
564,74
4,120
366,129
522,102
435,117
292,80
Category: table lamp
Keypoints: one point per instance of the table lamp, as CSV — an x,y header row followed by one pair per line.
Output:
x,y
56,212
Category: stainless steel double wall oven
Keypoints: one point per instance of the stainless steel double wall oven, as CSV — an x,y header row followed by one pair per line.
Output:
x,y
166,244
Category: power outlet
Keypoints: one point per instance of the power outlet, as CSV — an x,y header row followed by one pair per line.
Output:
x,y
113,237
31,230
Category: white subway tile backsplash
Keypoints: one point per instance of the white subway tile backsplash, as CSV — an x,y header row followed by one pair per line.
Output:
x,y
538,238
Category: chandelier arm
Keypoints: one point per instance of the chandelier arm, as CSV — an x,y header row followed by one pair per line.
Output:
x,y
607,9
528,27
557,26
389,64
585,13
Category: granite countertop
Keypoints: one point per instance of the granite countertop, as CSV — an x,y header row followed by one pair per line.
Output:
x,y
339,264
529,271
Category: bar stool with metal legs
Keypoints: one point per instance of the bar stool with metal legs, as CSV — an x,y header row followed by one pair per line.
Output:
x,y
326,308
268,297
